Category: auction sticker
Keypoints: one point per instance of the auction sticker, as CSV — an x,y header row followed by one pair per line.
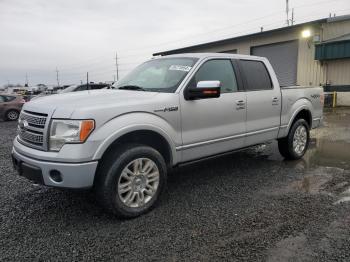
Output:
x,y
180,68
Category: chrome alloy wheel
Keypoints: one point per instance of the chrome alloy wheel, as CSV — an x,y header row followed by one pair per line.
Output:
x,y
12,115
300,139
138,182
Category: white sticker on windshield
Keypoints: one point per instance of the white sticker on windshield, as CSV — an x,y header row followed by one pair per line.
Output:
x,y
180,68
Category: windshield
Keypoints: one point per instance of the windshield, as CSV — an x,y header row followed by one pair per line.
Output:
x,y
158,75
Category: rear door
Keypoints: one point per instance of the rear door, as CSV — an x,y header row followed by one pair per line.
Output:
x,y
263,102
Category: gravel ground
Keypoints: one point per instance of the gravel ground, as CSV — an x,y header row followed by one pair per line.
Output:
x,y
249,206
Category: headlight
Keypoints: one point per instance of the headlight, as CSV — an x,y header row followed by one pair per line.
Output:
x,y
69,131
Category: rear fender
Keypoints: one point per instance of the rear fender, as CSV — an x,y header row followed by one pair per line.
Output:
x,y
289,117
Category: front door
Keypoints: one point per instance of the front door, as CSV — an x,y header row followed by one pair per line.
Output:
x,y
213,125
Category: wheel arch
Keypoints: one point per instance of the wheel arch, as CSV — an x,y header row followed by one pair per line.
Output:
x,y
302,113
145,137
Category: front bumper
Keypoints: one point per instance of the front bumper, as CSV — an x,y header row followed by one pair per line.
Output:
x,y
72,175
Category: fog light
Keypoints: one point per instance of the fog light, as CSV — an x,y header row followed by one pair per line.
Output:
x,y
56,176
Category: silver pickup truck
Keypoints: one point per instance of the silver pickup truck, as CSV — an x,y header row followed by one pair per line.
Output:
x,y
168,111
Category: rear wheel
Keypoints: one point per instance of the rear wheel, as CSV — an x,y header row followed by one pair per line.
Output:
x,y
12,115
131,180
296,143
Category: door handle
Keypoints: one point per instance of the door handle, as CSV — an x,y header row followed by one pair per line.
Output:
x,y
275,101
240,104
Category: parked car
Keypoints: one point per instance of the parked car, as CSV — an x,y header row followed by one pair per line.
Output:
x,y
91,86
167,112
10,106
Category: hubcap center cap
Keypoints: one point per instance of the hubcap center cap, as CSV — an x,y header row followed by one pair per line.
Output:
x,y
139,183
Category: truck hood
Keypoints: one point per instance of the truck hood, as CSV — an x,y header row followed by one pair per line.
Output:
x,y
63,105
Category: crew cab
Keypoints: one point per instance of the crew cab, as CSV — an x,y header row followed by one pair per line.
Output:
x,y
168,111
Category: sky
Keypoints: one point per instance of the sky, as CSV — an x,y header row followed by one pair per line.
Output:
x,y
40,37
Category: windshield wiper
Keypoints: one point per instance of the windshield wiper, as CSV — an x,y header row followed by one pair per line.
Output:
x,y
131,87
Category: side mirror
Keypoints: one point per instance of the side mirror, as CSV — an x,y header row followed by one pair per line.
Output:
x,y
204,89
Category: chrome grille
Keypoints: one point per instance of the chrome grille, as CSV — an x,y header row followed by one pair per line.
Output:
x,y
30,137
31,127
34,120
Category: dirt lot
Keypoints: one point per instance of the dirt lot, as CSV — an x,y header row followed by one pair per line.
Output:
x,y
250,206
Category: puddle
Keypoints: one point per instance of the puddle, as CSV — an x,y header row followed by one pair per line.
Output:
x,y
328,153
312,184
329,181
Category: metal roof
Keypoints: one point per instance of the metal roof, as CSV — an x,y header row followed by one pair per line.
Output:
x,y
338,39
233,39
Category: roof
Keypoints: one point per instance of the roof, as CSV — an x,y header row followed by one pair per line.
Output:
x,y
232,39
205,55
345,37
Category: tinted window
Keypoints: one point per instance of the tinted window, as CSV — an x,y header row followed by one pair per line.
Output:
x,y
220,70
2,99
96,86
256,74
80,88
10,98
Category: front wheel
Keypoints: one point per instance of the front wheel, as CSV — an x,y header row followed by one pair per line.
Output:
x,y
296,143
131,180
12,115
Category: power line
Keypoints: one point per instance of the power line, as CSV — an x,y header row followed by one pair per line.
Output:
x,y
100,60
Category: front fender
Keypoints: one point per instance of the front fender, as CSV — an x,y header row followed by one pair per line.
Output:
x,y
124,124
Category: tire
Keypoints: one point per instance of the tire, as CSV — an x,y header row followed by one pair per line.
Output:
x,y
115,176
11,115
296,143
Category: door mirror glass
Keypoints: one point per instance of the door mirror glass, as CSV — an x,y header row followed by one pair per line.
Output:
x,y
204,89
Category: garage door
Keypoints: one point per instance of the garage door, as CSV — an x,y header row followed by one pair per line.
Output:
x,y
284,60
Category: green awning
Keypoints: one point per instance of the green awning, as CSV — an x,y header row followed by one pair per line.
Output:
x,y
332,50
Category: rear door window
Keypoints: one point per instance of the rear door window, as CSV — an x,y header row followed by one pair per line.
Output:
x,y
256,75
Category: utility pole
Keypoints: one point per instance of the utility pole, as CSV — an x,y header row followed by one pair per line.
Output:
x,y
287,12
292,21
26,83
87,80
57,77
116,64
